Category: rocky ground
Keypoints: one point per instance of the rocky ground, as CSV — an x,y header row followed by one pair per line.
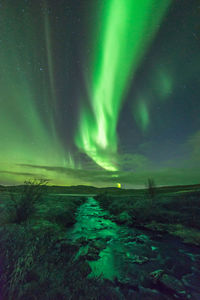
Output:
x,y
139,264
73,248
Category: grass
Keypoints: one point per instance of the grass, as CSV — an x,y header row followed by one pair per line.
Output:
x,y
36,261
158,211
36,264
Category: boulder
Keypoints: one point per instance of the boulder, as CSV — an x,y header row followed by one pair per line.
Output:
x,y
127,282
139,259
84,268
82,241
156,275
151,294
172,284
124,218
141,239
93,254
192,281
99,245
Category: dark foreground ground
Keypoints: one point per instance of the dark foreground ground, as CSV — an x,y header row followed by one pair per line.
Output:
x,y
139,246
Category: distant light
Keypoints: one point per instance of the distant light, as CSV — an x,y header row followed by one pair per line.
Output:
x,y
119,185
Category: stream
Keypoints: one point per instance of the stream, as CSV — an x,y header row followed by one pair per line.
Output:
x,y
135,259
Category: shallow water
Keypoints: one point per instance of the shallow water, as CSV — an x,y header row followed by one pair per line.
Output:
x,y
124,252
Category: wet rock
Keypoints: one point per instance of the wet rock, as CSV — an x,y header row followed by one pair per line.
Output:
x,y
156,275
65,246
157,237
84,268
80,255
172,284
99,245
109,217
139,259
141,239
153,248
108,292
59,242
169,264
93,254
167,283
183,265
82,240
151,294
32,276
196,258
108,238
131,295
192,281
158,227
127,282
181,269
194,296
144,279
127,247
130,239
124,218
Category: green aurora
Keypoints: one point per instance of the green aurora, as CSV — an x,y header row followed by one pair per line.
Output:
x,y
28,134
128,28
103,93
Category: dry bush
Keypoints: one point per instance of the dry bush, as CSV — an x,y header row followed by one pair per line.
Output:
x,y
24,205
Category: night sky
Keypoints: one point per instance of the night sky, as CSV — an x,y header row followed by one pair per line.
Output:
x,y
100,92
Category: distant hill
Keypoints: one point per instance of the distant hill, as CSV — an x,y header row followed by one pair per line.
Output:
x,y
79,189
2,188
84,189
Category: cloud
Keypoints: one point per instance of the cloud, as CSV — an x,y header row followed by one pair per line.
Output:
x,y
163,176
92,173
134,162
17,173
80,176
134,171
194,144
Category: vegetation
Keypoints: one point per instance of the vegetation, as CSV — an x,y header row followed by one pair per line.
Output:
x,y
151,188
41,266
24,204
36,260
63,213
158,211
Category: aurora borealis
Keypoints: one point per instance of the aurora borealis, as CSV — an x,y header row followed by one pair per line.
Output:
x,y
128,27
100,92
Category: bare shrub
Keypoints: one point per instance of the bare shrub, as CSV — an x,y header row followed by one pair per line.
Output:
x,y
151,188
24,204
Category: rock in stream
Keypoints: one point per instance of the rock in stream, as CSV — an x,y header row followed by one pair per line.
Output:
x,y
134,260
